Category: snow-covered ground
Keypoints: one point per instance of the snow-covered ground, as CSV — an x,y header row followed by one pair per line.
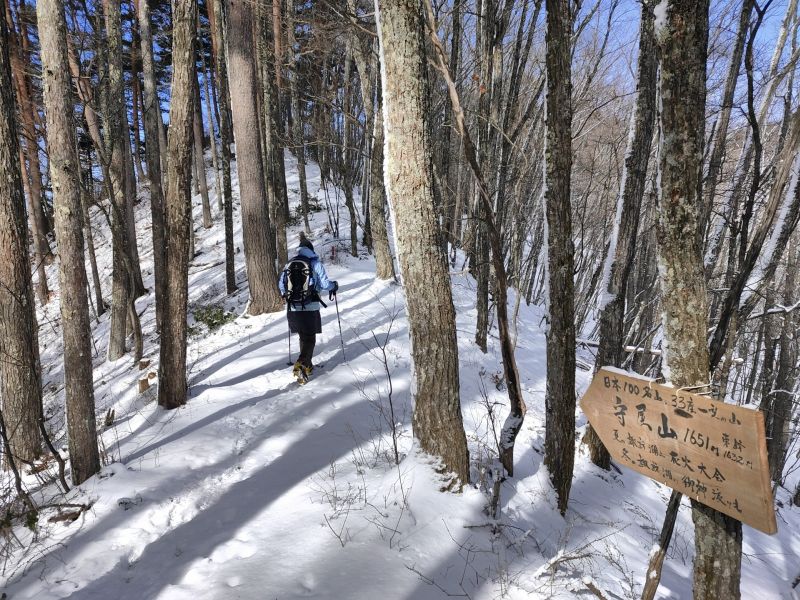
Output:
x,y
260,489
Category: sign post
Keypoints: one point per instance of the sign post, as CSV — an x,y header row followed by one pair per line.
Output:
x,y
710,451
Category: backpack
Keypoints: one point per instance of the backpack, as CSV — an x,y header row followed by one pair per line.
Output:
x,y
298,281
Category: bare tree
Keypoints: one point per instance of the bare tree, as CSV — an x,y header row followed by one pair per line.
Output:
x,y
115,140
271,146
683,40
373,130
298,139
29,150
409,183
199,160
172,388
622,249
74,304
259,254
225,135
560,395
152,125
20,382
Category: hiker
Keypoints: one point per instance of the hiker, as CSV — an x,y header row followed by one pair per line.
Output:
x,y
300,284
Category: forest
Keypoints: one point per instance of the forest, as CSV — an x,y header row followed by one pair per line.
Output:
x,y
409,299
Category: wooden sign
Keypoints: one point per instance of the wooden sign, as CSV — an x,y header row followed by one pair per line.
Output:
x,y
711,451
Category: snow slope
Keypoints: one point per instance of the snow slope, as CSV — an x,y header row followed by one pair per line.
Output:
x,y
259,488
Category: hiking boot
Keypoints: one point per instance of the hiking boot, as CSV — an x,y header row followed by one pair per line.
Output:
x,y
298,371
307,370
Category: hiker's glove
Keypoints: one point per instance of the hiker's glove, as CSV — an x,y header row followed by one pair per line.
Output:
x,y
332,293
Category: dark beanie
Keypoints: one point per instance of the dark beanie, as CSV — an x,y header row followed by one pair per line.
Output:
x,y
305,243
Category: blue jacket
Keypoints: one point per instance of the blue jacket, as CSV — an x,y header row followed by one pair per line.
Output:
x,y
320,277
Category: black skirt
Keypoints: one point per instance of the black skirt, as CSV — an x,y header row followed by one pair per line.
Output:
x,y
306,322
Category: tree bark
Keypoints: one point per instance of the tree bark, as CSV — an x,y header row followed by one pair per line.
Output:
x,y
778,434
39,260
30,149
373,117
298,139
64,174
437,418
683,41
226,137
274,169
131,194
199,156
172,388
20,379
136,94
115,140
560,393
259,257
88,236
212,138
384,264
345,166
152,124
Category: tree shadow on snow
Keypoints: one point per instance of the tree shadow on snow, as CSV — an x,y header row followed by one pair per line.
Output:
x,y
166,560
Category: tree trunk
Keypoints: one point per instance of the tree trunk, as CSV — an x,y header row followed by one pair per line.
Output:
x,y
720,137
115,140
226,137
384,264
172,386
260,260
39,260
272,157
89,237
345,164
20,379
199,156
683,41
620,256
131,195
447,164
212,138
298,139
778,435
479,262
560,395
64,174
152,125
408,178
136,94
30,149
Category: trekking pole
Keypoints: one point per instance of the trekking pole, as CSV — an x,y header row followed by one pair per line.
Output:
x,y
341,338
290,342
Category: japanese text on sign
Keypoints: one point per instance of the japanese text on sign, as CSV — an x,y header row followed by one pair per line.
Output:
x,y
708,450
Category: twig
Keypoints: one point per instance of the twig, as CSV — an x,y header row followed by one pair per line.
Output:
x,y
56,455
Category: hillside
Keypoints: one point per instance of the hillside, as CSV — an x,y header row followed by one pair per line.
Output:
x,y
259,488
